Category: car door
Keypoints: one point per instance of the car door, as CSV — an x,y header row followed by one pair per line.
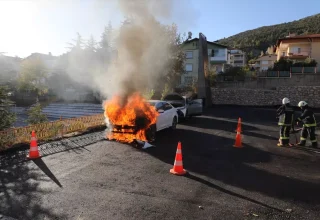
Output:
x,y
161,117
198,106
195,107
169,111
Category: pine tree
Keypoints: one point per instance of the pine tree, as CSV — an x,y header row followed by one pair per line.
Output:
x,y
7,118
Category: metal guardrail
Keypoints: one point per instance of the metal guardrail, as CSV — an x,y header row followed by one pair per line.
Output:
x,y
303,69
274,74
49,130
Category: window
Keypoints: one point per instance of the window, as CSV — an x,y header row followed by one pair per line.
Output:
x,y
295,50
217,53
238,61
265,62
189,54
167,106
159,105
188,67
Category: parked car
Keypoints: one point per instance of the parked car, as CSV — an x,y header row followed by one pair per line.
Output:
x,y
187,107
167,118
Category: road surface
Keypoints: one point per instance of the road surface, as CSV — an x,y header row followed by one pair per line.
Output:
x,y
87,177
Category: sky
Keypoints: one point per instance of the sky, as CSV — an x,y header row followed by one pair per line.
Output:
x,y
45,26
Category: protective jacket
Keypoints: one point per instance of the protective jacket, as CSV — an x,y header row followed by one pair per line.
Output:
x,y
285,114
308,118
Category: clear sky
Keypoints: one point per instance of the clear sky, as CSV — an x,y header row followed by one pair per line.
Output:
x,y
44,26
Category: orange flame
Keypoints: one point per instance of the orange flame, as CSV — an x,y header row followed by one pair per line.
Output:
x,y
124,119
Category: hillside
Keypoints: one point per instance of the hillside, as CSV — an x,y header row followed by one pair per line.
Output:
x,y
253,41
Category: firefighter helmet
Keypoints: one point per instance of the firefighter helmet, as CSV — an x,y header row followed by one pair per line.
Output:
x,y
302,104
285,101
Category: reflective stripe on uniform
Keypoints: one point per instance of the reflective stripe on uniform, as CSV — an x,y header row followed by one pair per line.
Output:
x,y
284,138
315,140
303,139
178,163
310,125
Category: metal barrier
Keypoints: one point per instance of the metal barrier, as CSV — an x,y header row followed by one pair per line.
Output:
x,y
274,74
303,69
49,131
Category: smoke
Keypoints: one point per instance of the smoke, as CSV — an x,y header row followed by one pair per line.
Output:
x,y
144,51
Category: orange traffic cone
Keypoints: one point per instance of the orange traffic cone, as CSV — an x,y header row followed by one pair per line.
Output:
x,y
34,151
238,143
239,126
178,165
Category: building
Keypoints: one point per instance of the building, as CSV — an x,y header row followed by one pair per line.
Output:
x,y
298,48
265,62
236,57
217,55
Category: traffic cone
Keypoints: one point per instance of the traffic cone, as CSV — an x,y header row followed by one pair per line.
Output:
x,y
239,126
238,143
178,165
34,151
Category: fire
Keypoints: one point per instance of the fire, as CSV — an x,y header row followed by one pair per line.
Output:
x,y
129,121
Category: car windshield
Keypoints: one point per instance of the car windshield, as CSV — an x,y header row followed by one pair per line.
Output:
x,y
152,103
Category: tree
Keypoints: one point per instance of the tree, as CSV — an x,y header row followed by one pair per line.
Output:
x,y
35,115
33,76
91,44
78,43
7,118
175,67
107,37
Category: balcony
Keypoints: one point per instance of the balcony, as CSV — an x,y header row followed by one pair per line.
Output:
x,y
218,58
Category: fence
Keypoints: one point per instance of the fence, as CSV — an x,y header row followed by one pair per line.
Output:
x,y
274,74
303,69
49,131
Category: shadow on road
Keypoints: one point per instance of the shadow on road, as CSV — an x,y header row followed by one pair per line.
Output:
x,y
214,157
39,162
205,182
21,195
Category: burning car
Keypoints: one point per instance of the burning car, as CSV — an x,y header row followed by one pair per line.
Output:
x,y
187,107
138,119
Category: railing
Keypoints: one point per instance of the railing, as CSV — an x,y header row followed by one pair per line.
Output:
x,y
303,69
49,131
274,74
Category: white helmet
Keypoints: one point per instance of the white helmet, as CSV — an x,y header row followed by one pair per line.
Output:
x,y
285,101
302,104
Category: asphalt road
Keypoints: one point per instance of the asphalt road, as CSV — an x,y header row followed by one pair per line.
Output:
x,y
87,177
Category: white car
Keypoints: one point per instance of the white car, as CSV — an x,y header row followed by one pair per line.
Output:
x,y
167,118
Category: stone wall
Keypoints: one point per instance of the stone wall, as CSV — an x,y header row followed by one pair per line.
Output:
x,y
307,79
264,97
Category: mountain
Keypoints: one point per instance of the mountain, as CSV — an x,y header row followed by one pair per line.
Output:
x,y
259,39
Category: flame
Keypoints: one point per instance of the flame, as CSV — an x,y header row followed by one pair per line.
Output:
x,y
129,121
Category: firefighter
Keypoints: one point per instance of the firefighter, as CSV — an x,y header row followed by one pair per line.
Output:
x,y
285,114
309,125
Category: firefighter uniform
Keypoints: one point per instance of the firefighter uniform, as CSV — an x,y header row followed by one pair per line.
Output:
x,y
309,125
285,114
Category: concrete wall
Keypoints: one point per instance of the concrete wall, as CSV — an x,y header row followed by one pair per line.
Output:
x,y
270,83
264,97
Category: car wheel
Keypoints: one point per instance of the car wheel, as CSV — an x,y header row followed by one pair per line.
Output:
x,y
174,123
151,134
